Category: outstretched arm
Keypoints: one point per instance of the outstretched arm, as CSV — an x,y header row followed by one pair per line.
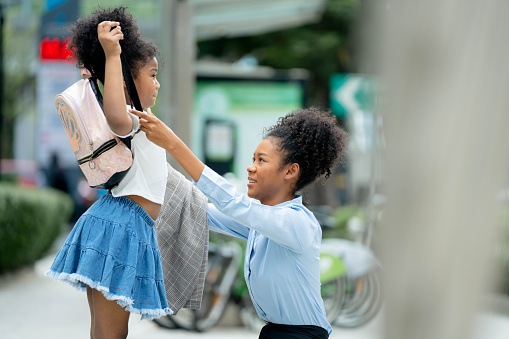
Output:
x,y
294,227
163,136
110,34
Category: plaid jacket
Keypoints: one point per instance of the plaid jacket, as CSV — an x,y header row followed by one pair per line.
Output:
x,y
182,236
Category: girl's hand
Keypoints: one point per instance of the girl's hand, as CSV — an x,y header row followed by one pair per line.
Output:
x,y
155,129
110,34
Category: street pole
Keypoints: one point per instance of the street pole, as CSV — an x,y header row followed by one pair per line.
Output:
x,y
178,78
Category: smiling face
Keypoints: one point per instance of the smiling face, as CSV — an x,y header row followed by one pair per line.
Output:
x,y
268,181
147,84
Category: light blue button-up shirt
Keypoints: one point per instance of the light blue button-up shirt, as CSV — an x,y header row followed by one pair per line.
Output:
x,y
281,264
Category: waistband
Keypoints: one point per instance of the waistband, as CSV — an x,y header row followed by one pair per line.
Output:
x,y
131,204
317,331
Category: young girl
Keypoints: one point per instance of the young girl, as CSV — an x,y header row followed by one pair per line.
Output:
x,y
112,251
283,237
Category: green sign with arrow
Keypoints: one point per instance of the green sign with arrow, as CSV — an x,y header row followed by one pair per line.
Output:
x,y
351,92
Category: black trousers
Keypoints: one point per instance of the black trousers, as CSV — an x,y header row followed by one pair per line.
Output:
x,y
278,331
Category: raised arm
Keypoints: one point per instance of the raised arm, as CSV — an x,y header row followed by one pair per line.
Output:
x,y
110,34
163,136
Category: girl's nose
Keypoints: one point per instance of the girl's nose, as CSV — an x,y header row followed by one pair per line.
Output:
x,y
157,84
251,168
85,73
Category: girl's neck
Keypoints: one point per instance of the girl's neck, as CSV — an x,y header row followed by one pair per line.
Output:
x,y
273,201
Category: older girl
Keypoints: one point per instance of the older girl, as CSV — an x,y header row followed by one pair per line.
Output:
x,y
283,237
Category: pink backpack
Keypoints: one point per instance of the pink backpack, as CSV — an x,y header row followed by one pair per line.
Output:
x,y
103,158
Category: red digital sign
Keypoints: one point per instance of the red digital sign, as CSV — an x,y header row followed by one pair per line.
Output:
x,y
55,49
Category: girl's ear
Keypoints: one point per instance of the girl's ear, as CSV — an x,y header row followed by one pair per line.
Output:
x,y
293,171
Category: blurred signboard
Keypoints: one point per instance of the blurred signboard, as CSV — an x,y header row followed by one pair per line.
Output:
x,y
55,73
51,136
229,117
350,93
57,15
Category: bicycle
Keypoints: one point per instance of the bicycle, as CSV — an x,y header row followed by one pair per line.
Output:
x,y
358,292
221,272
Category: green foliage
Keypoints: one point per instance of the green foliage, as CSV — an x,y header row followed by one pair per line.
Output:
x,y
20,53
140,9
323,48
30,221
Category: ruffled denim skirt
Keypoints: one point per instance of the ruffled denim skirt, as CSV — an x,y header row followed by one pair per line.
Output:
x,y
113,248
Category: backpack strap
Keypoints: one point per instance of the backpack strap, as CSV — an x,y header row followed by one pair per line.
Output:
x,y
131,91
97,92
129,83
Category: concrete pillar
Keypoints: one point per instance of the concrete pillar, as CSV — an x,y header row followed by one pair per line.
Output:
x,y
445,69
178,77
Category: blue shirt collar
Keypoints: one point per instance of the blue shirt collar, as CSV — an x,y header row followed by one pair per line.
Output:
x,y
296,200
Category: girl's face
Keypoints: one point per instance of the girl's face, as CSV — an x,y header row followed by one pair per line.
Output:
x,y
147,84
266,177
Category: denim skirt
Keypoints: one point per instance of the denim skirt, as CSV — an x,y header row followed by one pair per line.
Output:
x,y
113,249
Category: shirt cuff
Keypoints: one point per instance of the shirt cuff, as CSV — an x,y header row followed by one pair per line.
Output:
x,y
136,127
206,179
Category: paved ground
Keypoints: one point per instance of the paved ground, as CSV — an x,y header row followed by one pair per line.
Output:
x,y
32,306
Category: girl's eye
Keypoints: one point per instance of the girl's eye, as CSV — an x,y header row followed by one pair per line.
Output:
x,y
261,160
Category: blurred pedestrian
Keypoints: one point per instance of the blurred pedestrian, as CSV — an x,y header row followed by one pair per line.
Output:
x,y
56,175
283,237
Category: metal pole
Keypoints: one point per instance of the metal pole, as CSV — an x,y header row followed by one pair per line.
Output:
x,y
368,236
184,78
179,77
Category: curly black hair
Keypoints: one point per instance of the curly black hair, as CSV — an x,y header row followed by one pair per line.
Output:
x,y
313,139
87,49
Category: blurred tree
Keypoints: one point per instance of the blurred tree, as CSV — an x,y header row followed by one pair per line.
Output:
x,y
20,53
323,48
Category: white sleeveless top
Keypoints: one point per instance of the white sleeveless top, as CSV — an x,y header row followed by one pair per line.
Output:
x,y
147,176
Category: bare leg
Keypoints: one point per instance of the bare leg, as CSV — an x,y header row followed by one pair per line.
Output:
x,y
110,320
91,306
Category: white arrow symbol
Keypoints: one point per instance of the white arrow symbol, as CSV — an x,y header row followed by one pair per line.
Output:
x,y
345,94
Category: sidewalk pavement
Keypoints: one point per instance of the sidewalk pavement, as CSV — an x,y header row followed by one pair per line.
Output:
x,y
33,306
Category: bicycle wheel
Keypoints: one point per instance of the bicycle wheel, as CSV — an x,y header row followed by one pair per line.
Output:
x,y
213,307
333,294
221,272
363,301
185,319
165,322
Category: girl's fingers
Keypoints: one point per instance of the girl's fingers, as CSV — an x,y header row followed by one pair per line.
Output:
x,y
144,117
110,28
138,113
108,25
